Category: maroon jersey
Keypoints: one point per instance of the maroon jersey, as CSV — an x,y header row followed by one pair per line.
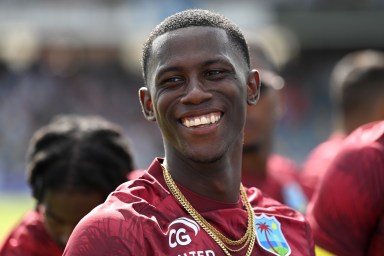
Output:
x,y
30,238
318,162
135,174
142,218
281,181
347,212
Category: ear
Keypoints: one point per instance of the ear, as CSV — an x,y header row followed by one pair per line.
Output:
x,y
253,87
146,104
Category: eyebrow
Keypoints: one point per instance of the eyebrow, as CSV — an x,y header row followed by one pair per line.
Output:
x,y
217,60
163,70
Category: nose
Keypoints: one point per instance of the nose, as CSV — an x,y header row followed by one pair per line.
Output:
x,y
195,93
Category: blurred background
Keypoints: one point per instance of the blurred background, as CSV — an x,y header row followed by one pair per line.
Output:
x,y
83,56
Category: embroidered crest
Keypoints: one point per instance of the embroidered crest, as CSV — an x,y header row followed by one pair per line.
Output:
x,y
269,235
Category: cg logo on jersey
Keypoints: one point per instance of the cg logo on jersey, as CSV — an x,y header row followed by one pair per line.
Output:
x,y
180,235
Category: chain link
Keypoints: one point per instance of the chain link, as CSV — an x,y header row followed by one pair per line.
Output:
x,y
224,242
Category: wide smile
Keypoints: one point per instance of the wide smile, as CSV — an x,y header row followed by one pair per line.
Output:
x,y
202,120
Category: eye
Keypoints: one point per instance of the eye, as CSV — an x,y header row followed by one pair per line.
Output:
x,y
172,81
214,72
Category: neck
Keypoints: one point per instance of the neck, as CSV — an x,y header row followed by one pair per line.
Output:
x,y
219,180
255,164
353,120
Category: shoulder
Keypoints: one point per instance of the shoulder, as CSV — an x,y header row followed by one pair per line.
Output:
x,y
280,164
371,132
31,225
135,174
363,151
130,199
358,168
354,176
142,191
30,237
325,151
366,137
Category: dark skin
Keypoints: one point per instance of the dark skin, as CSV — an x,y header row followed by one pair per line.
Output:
x,y
372,112
258,132
63,210
195,74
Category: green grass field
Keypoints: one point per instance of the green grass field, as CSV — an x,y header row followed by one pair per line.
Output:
x,y
13,206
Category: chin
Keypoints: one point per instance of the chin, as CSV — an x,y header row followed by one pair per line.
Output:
x,y
206,157
207,160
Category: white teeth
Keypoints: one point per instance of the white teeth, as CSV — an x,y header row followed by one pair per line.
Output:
x,y
201,120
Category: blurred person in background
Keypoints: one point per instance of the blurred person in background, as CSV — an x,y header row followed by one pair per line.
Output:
x,y
356,88
274,174
73,163
347,212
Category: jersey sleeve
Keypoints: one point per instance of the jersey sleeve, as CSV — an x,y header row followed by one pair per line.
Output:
x,y
346,212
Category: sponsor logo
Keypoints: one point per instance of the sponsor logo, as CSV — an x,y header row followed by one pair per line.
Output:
x,y
269,235
198,253
180,231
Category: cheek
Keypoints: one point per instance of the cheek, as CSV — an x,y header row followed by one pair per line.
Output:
x,y
165,102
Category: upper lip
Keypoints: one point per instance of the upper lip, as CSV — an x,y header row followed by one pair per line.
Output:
x,y
200,112
204,116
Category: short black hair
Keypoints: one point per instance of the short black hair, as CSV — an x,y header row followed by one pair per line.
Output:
x,y
195,17
80,153
357,81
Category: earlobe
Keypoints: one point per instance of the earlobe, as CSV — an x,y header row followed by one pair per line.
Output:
x,y
146,104
253,87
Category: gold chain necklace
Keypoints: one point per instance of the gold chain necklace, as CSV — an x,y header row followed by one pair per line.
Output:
x,y
224,242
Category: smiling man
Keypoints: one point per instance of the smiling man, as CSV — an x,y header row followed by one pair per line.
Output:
x,y
191,202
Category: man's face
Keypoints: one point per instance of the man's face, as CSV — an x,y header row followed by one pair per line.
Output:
x,y
260,121
63,210
198,92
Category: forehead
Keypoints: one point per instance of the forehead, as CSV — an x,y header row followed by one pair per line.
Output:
x,y
196,43
192,34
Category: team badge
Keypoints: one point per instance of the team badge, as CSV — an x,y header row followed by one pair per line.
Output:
x,y
269,235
